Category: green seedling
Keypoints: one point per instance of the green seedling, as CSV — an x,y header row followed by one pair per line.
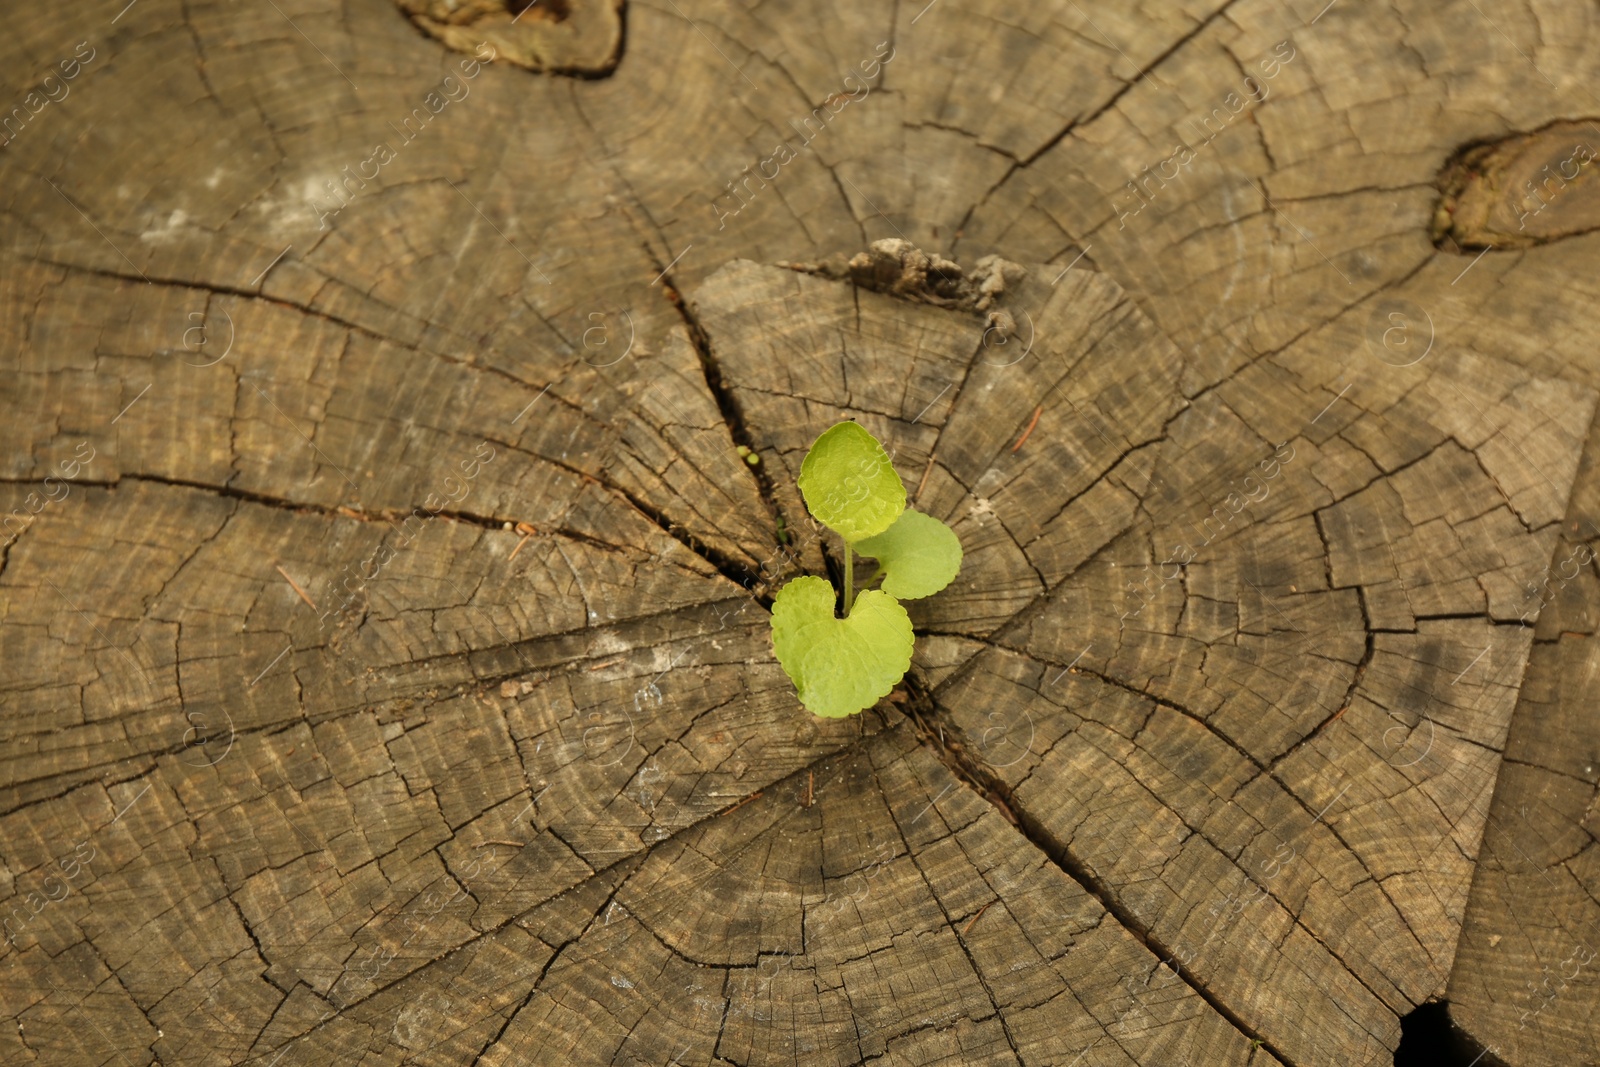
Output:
x,y
844,661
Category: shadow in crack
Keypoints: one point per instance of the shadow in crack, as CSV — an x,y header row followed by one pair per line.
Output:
x,y
1429,1039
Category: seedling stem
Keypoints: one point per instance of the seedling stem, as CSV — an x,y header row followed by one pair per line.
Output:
x,y
849,577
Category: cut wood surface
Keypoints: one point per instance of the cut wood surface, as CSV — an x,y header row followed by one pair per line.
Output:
x,y
384,585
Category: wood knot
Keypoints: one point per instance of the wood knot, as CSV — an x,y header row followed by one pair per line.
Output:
x,y
577,37
1522,190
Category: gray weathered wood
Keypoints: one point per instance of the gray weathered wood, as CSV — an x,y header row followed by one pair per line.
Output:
x,y
387,674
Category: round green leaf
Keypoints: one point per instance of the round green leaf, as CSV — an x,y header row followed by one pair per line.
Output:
x,y
919,555
839,666
849,483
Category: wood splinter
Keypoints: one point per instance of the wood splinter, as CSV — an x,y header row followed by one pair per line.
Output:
x,y
925,472
753,796
527,530
975,918
1031,424
296,586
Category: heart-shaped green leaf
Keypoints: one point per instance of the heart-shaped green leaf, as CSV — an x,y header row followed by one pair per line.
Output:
x,y
919,555
839,666
849,483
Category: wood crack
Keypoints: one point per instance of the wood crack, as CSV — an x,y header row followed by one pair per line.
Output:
x,y
971,773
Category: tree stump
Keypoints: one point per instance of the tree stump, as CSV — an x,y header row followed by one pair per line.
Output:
x,y
405,410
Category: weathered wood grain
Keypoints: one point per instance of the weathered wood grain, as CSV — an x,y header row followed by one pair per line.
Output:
x,y
1240,552
387,675
1523,981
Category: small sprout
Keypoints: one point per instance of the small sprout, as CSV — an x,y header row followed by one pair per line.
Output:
x,y
840,666
752,459
918,555
849,483
843,664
